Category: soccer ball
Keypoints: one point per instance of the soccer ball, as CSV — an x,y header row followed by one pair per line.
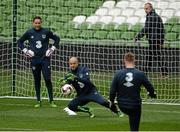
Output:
x,y
67,89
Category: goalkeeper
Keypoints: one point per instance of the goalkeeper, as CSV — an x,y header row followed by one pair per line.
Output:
x,y
126,86
86,90
39,52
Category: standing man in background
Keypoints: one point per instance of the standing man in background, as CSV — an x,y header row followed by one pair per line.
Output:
x,y
154,31
126,85
39,51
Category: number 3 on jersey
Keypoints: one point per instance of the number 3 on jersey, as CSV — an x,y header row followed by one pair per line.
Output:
x,y
128,78
38,44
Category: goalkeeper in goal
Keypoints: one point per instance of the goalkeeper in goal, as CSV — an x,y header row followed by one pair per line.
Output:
x,y
39,52
79,78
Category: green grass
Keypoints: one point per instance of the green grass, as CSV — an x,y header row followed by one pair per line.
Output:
x,y
19,115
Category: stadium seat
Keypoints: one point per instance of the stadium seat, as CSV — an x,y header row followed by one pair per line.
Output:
x,y
178,37
114,11
20,32
167,27
142,20
56,26
75,11
96,26
136,28
49,10
171,36
177,13
62,11
32,3
65,18
128,12
52,17
92,19
36,10
100,35
6,32
45,3
140,12
57,3
132,20
87,11
101,11
174,5
167,13
83,4
70,3
114,35
69,26
86,34
123,27
62,33
73,34
136,4
119,20
176,28
161,5
83,26
105,19
122,4
109,27
129,35
173,21
95,3
79,19
164,19
109,4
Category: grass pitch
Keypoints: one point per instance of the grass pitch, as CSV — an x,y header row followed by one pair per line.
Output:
x,y
20,115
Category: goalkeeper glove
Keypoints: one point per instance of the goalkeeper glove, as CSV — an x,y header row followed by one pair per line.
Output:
x,y
28,53
50,51
70,77
62,82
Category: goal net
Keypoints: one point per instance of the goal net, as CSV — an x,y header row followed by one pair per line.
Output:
x,y
99,33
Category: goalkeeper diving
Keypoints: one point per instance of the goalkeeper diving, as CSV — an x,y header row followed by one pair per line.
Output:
x,y
79,78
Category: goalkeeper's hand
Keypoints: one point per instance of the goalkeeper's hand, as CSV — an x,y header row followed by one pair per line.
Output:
x,y
50,51
152,95
62,82
70,77
28,53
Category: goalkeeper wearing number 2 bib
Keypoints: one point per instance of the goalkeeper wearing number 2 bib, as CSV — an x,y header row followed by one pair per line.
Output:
x,y
39,51
78,77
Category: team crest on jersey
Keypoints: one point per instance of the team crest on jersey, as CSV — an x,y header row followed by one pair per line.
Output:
x,y
43,36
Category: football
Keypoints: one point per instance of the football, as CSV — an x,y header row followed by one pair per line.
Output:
x,y
67,89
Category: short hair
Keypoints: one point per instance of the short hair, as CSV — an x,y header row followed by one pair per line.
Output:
x,y
150,5
130,57
37,17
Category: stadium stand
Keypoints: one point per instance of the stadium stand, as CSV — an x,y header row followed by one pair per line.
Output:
x,y
84,17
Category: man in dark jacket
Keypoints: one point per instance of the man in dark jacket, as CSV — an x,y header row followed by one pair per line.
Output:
x,y
154,31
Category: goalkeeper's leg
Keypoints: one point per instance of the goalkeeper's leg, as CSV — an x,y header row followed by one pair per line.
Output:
x,y
46,71
102,101
78,105
36,70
